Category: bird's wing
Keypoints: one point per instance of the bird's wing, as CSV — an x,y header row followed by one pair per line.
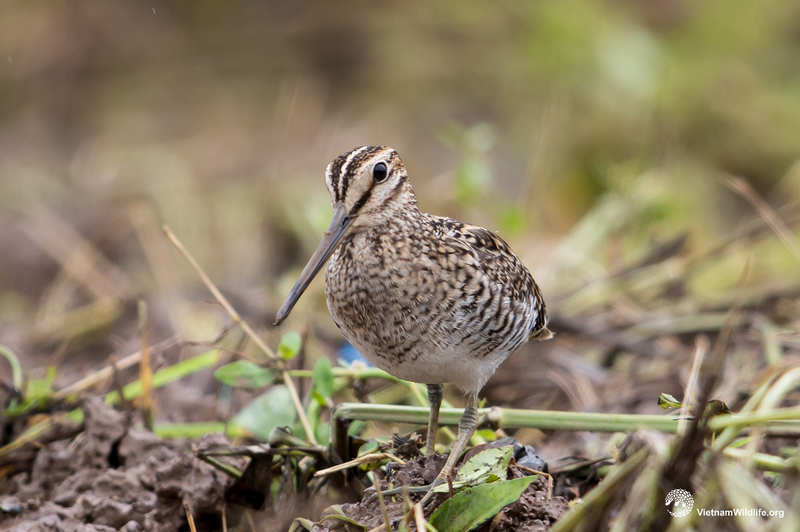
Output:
x,y
500,266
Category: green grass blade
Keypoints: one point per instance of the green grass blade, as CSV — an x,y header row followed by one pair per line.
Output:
x,y
169,374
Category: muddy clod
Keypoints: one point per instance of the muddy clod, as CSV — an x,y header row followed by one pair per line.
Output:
x,y
110,477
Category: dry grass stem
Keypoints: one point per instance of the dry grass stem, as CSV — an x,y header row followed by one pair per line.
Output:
x,y
743,188
218,295
80,259
117,380
600,495
358,461
545,475
287,379
145,223
189,517
105,373
382,504
145,369
689,395
419,518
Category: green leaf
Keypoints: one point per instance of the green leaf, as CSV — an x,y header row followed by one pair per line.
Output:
x,y
38,392
487,434
267,412
666,401
301,523
715,407
16,368
472,507
198,429
323,377
323,433
336,512
486,466
316,396
344,519
41,388
494,460
368,448
290,345
245,374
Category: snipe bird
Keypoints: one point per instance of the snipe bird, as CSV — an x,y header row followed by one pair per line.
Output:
x,y
425,298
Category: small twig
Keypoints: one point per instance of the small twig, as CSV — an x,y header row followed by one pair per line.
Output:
x,y
189,517
689,394
145,223
382,504
145,370
407,504
301,357
358,461
409,516
598,496
546,475
80,259
103,374
743,188
213,345
287,380
249,517
419,517
450,484
223,332
218,295
225,516
221,466
58,356
117,380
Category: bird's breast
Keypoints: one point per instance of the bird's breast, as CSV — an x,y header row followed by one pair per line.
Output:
x,y
379,292
420,311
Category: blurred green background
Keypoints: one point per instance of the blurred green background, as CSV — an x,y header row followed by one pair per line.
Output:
x,y
586,133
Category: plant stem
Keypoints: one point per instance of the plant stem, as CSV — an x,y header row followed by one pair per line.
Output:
x,y
510,418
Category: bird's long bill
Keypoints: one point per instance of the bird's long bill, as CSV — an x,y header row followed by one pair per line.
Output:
x,y
333,236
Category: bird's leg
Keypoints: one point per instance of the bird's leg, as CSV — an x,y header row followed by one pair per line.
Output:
x,y
466,427
435,394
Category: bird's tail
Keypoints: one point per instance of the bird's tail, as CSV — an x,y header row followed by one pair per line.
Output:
x,y
541,334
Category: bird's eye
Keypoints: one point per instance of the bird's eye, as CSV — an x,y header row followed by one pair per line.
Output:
x,y
380,172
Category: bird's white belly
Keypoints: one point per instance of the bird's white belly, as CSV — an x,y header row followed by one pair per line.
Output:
x,y
434,366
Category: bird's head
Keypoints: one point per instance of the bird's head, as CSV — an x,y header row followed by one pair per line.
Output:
x,y
368,186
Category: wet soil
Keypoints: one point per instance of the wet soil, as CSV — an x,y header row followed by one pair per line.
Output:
x,y
105,476
102,476
534,511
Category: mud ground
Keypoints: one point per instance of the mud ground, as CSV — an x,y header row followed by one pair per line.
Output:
x,y
533,512
103,476
110,477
